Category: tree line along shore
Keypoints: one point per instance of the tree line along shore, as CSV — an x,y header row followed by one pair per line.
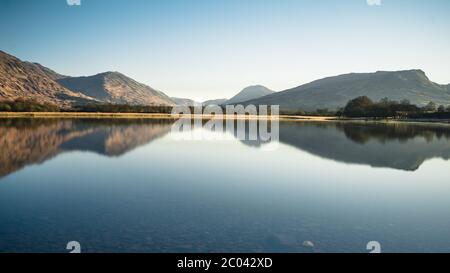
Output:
x,y
358,108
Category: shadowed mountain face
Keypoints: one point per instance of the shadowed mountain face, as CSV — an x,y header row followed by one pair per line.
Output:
x,y
250,93
116,88
33,141
33,81
335,92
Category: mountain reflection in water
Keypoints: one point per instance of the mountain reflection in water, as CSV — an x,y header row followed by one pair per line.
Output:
x,y
30,141
393,145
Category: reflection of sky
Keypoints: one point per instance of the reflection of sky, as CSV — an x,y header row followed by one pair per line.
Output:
x,y
211,49
229,181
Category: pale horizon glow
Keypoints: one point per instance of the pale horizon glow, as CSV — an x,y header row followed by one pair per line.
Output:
x,y
205,50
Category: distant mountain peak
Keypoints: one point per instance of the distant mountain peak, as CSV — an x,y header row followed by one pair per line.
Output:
x,y
256,86
250,93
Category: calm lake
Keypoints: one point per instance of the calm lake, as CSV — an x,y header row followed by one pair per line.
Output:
x,y
131,186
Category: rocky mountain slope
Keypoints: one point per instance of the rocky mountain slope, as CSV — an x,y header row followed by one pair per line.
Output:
x,y
32,81
116,88
27,80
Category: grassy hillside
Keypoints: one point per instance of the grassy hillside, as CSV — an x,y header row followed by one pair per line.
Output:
x,y
335,92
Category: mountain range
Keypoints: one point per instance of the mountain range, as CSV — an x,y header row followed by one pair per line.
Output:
x,y
27,80
334,92
19,79
32,81
248,93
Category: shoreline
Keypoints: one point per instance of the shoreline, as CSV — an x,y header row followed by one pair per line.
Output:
x,y
152,116
70,115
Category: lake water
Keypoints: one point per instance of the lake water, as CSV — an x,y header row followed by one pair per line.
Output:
x,y
131,186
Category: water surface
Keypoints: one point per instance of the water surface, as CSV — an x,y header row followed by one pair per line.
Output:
x,y
131,186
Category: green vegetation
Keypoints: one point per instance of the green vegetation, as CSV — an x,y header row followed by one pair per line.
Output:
x,y
122,108
22,105
318,113
360,107
385,108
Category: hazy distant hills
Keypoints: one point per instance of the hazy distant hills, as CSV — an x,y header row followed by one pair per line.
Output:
x,y
250,93
27,80
185,102
116,88
215,102
335,92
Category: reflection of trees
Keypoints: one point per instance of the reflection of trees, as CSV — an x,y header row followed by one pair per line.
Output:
x,y
399,146
31,141
362,133
402,146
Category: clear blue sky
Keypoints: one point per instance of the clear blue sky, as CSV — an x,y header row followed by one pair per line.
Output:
x,y
207,49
